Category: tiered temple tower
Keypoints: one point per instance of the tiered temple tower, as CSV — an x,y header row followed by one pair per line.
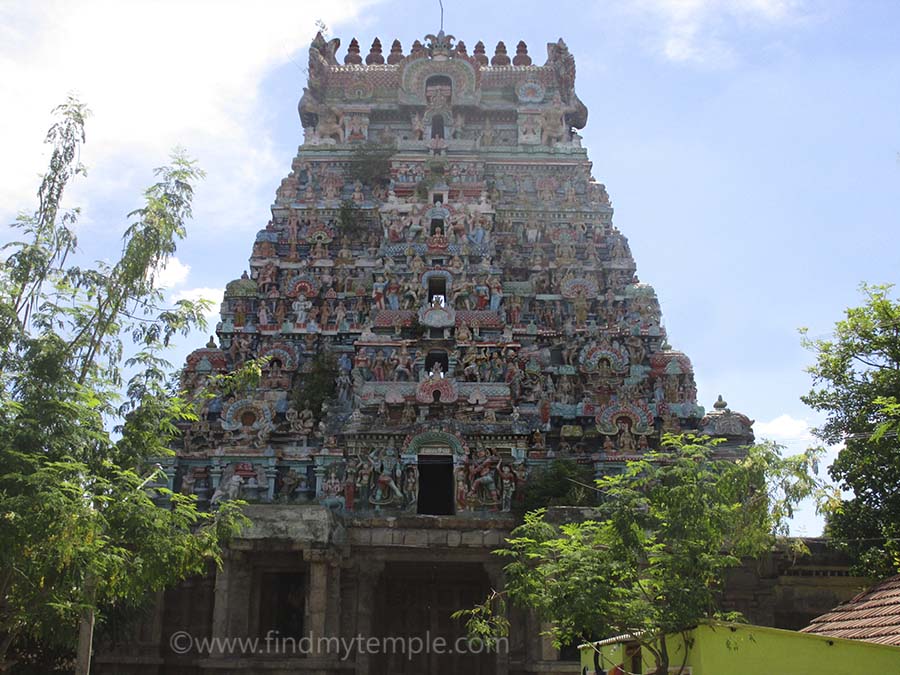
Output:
x,y
446,307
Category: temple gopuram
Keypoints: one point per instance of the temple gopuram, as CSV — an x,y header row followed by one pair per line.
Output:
x,y
445,308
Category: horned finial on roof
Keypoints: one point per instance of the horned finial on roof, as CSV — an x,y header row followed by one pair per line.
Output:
x,y
500,56
440,43
375,53
396,54
521,58
479,54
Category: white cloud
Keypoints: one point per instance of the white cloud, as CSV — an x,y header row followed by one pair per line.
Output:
x,y
155,74
214,295
785,430
175,273
796,435
695,31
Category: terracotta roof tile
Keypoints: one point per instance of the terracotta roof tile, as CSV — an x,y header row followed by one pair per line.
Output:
x,y
873,616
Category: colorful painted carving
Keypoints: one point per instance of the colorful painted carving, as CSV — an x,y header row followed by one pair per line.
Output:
x,y
443,315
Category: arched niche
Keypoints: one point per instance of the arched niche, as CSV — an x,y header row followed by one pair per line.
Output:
x,y
464,79
436,439
438,93
437,356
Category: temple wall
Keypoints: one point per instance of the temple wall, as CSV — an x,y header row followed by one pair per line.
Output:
x,y
383,577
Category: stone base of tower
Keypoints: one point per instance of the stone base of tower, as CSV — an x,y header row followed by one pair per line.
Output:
x,y
306,590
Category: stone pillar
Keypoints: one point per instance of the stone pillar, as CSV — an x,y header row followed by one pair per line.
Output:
x,y
155,627
169,469
271,480
548,651
232,598
317,597
215,475
495,575
333,600
368,574
320,477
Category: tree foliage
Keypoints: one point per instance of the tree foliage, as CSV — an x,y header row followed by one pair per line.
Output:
x,y
81,527
350,219
318,383
370,164
561,483
856,380
653,559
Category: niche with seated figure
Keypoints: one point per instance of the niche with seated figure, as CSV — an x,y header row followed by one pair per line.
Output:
x,y
437,290
438,363
439,91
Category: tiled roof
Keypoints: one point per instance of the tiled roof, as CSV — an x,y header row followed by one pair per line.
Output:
x,y
873,616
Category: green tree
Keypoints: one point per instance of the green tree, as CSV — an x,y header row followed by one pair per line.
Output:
x,y
370,164
561,483
81,527
653,559
856,384
350,220
318,383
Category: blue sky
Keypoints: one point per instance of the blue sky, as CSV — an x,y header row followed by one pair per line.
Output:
x,y
750,147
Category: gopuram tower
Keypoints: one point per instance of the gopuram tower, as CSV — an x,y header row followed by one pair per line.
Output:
x,y
445,308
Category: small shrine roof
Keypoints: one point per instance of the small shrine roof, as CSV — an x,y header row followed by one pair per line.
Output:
x,y
872,616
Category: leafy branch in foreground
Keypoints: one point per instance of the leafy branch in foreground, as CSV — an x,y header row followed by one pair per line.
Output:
x,y
85,528
856,378
653,559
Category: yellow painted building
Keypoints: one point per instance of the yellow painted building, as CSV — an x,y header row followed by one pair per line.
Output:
x,y
717,648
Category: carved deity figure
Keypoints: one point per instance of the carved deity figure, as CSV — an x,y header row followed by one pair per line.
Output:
x,y
482,472
626,438
411,485
188,482
487,132
387,470
418,127
329,124
462,488
507,487
530,130
229,489
553,123
290,482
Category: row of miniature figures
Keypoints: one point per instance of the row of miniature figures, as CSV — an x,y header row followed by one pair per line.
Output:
x,y
397,304
379,480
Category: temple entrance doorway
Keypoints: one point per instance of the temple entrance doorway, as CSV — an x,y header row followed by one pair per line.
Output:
x,y
415,599
435,485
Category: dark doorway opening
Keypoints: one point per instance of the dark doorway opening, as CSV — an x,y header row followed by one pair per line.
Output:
x,y
434,358
414,597
437,287
435,485
437,126
281,604
437,225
